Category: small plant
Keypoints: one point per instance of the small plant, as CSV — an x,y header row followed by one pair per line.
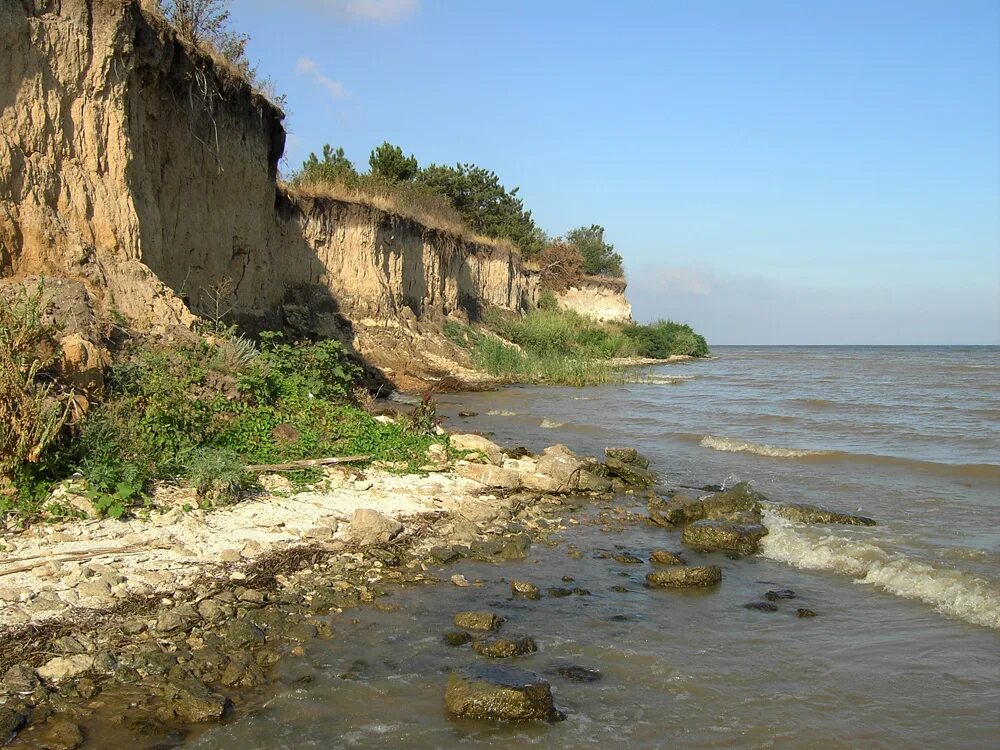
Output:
x,y
216,472
424,417
114,504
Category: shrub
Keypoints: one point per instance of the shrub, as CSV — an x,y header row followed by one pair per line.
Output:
x,y
665,338
560,266
599,257
215,472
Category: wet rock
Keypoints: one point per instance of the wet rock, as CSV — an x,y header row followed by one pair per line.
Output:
x,y
761,606
501,647
803,612
665,557
242,671
681,509
557,592
589,481
724,535
579,674
467,414
620,589
192,702
213,611
500,694
628,456
683,577
179,618
11,720
59,734
478,446
240,634
492,476
443,555
581,592
456,638
627,558
371,527
19,680
477,620
63,668
802,513
632,476
777,594
525,589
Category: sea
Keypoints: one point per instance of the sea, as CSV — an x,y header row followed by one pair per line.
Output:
x,y
904,651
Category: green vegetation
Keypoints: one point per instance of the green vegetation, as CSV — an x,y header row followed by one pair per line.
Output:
x,y
599,257
200,412
664,337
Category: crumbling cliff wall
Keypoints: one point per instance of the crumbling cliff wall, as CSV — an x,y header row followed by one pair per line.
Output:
x,y
601,299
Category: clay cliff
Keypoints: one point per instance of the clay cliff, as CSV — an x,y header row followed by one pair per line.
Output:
x,y
599,298
145,169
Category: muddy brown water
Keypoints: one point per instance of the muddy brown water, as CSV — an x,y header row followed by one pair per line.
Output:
x,y
904,652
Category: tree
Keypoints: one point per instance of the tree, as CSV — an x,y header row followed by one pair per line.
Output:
x,y
388,163
201,21
599,257
485,204
334,167
560,266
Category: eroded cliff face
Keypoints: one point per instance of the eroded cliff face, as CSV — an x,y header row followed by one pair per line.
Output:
x,y
137,164
597,298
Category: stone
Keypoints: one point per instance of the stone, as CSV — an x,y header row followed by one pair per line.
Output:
x,y
761,606
803,612
802,513
724,535
500,694
563,466
558,592
20,680
455,638
59,734
665,557
627,558
574,673
682,509
11,721
525,589
497,477
213,611
241,634
775,595
192,702
180,617
632,476
63,668
229,556
371,527
588,481
684,576
443,555
500,647
628,456
477,620
478,445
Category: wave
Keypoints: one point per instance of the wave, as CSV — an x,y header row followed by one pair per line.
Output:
x,y
501,413
954,471
548,424
951,592
731,445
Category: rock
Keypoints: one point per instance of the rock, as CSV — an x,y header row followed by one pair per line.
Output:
x,y
491,476
538,482
180,617
801,513
627,558
500,694
477,620
11,721
467,414
628,456
682,577
501,647
443,555
59,734
456,638
20,680
525,589
229,556
557,592
459,580
588,481
82,363
632,476
213,611
761,606
371,527
681,509
803,612
620,589
664,557
241,634
563,466
773,596
724,535
477,444
579,674
63,668
192,702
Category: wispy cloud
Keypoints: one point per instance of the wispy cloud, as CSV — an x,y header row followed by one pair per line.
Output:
x,y
676,280
375,11
309,68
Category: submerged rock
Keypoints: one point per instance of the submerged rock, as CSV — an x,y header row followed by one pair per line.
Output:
x,y
776,594
627,558
579,674
682,509
803,612
473,620
456,638
500,647
557,592
683,577
724,535
11,721
762,606
664,557
802,513
59,734
525,589
500,694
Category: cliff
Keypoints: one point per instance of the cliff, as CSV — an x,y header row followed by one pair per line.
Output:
x,y
599,298
146,169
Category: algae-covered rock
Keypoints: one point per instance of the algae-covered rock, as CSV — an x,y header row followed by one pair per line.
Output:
x,y
525,589
502,647
478,620
455,638
500,694
11,720
681,509
627,558
802,513
724,535
190,701
685,577
761,606
665,557
629,456
631,475
59,734
574,673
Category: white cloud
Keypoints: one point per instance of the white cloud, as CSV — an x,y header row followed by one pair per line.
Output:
x,y
310,69
376,11
677,280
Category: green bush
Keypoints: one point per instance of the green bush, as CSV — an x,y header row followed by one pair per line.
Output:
x,y
665,338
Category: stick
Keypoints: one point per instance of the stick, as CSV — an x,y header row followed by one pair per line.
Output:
x,y
77,556
307,463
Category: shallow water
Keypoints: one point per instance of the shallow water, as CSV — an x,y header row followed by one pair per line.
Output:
x,y
904,652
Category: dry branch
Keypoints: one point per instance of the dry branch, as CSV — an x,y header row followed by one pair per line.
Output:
x,y
308,463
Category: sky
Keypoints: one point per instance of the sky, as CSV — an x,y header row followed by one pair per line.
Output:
x,y
772,171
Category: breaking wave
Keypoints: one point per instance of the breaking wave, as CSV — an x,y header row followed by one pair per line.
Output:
x,y
954,593
740,446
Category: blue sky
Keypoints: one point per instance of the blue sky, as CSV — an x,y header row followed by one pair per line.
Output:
x,y
772,172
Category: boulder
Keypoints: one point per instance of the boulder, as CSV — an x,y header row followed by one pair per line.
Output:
x,y
631,475
492,476
82,363
371,527
724,535
63,668
681,509
685,577
59,734
477,620
456,638
501,647
574,673
11,720
629,456
192,702
563,466
812,514
525,589
589,481
665,557
479,446
500,694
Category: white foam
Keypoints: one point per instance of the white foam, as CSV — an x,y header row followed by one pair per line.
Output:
x,y
731,445
501,413
548,424
951,592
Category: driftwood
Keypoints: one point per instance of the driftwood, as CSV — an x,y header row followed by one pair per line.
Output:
x,y
80,556
308,463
